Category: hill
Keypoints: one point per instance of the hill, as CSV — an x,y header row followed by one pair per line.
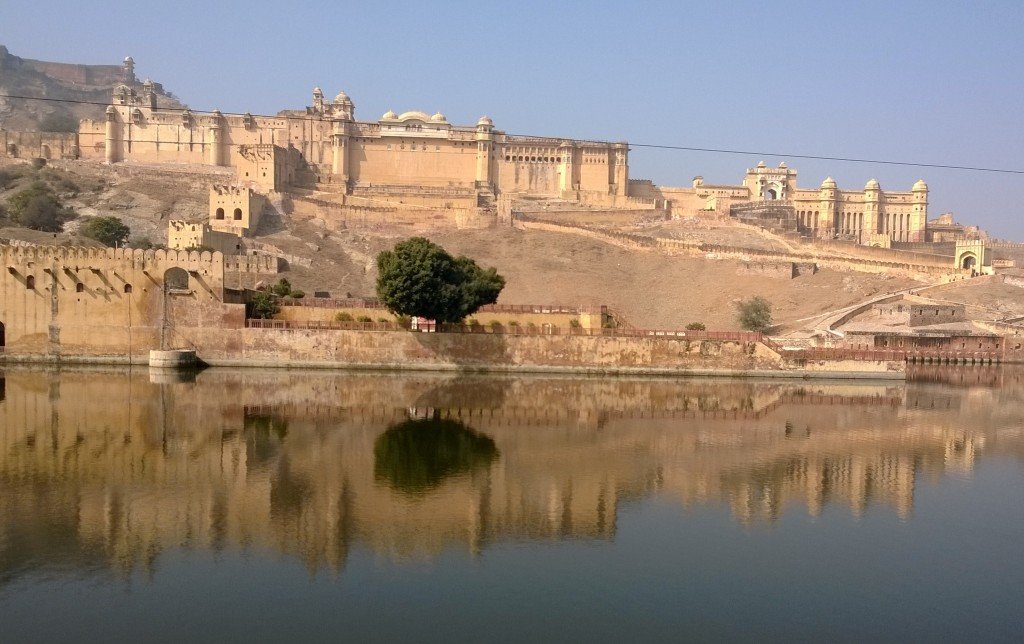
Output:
x,y
88,83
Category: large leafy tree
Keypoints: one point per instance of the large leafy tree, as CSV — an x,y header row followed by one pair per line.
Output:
x,y
420,278
107,230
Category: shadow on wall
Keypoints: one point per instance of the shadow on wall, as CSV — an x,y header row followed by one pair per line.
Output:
x,y
466,349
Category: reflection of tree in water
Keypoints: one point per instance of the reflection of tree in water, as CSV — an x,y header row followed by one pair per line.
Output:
x,y
415,456
265,433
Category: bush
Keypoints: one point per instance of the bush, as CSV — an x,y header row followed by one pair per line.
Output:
x,y
8,176
696,326
342,316
754,314
283,288
495,325
298,295
574,323
110,231
364,318
45,213
383,320
403,321
513,323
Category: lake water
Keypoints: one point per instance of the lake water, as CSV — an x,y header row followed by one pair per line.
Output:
x,y
241,505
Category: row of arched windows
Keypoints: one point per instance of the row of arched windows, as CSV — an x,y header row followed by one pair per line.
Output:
x,y
525,159
30,284
237,214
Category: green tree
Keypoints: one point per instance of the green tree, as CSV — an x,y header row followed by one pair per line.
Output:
x,y
110,231
696,326
420,278
283,288
262,305
754,314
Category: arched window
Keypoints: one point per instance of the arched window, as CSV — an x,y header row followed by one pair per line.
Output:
x,y
220,213
127,288
30,282
79,287
238,214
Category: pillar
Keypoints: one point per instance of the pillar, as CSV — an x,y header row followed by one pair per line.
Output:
x,y
110,141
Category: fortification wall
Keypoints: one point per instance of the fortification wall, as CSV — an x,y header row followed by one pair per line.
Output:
x,y
91,301
469,351
927,314
38,145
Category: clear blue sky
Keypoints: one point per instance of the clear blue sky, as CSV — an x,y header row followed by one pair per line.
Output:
x,y
935,82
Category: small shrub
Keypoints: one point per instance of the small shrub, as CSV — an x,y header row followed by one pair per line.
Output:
x,y
513,323
342,316
383,320
404,321
298,295
530,326
754,314
696,326
574,324
473,322
364,318
282,288
495,325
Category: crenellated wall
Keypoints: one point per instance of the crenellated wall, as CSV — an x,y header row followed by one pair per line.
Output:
x,y
92,301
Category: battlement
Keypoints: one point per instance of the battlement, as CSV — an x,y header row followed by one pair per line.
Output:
x,y
201,262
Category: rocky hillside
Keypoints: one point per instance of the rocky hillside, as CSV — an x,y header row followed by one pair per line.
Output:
x,y
91,83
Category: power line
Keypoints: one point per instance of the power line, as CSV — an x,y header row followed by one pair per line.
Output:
x,y
656,146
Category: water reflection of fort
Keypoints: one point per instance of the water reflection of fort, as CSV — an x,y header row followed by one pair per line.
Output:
x,y
99,468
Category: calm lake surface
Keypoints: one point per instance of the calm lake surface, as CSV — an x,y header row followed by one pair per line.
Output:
x,y
245,505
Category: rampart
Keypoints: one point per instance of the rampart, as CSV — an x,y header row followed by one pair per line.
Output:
x,y
41,145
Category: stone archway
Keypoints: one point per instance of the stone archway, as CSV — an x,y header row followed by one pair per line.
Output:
x,y
176,279
968,261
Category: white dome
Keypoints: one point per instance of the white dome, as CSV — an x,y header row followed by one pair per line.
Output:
x,y
438,118
389,115
871,185
485,120
829,182
920,185
342,97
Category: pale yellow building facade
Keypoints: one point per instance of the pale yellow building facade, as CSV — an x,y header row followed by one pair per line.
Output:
x,y
325,145
867,216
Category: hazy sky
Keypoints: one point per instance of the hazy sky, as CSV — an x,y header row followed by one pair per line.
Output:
x,y
932,82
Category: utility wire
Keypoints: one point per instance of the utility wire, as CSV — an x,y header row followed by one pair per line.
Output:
x,y
656,146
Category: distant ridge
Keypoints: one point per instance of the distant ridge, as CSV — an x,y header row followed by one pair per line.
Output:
x,y
27,77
